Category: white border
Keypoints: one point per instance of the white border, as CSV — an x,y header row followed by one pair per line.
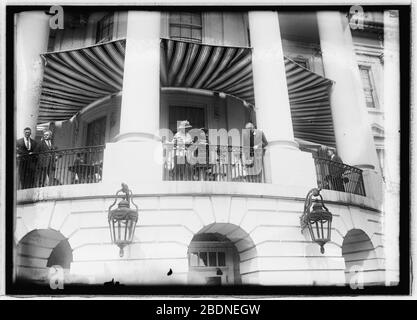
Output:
x,y
413,115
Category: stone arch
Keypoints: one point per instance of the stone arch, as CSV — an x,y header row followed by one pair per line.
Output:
x,y
362,265
39,250
241,245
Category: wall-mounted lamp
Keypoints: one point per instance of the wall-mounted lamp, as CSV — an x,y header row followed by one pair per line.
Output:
x,y
123,219
317,218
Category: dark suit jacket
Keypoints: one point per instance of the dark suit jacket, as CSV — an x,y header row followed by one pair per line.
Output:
x,y
21,149
337,171
46,159
256,138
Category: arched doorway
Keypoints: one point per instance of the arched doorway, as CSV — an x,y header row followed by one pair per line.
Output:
x,y
39,250
361,261
215,255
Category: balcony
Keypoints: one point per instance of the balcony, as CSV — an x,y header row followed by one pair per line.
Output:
x,y
197,163
338,176
213,163
60,167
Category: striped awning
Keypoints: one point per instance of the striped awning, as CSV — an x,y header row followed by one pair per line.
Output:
x,y
229,70
75,78
309,95
214,68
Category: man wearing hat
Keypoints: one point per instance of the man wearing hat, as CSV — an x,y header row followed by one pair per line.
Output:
x,y
47,159
182,140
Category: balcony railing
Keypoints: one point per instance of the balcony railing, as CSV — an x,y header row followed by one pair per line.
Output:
x,y
337,176
213,163
60,167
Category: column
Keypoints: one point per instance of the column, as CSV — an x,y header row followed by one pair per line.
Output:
x,y
353,134
392,143
284,162
31,40
136,156
139,118
354,139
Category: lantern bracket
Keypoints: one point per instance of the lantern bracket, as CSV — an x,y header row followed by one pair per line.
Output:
x,y
127,196
313,193
123,217
316,213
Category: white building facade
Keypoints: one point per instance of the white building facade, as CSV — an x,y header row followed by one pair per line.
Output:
x,y
108,82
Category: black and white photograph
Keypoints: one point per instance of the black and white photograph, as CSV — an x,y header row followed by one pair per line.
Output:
x,y
207,149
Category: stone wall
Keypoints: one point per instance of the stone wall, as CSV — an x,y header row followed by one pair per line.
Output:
x,y
265,230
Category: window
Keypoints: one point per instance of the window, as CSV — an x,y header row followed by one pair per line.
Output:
x,y
367,86
212,259
381,155
185,26
221,258
203,259
195,115
105,28
207,259
96,132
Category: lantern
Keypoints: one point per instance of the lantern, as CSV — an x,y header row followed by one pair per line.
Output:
x,y
123,219
317,218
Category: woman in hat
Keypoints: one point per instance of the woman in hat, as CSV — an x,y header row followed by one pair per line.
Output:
x,y
182,140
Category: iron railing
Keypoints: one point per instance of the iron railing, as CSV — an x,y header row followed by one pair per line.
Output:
x,y
60,167
203,162
338,176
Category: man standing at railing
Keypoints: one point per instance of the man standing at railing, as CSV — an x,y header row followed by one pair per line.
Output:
x,y
47,159
336,170
254,143
26,163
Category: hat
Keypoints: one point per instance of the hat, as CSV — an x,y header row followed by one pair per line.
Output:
x,y
184,124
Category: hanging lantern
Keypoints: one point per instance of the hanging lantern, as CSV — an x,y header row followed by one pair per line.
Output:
x,y
123,219
317,218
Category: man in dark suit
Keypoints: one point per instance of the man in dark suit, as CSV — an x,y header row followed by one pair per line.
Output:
x,y
254,143
25,147
47,160
336,170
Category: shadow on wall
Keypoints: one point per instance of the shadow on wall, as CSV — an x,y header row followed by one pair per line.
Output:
x,y
38,251
361,262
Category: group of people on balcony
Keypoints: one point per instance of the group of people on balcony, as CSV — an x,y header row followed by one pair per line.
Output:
x,y
187,157
41,164
35,171
194,158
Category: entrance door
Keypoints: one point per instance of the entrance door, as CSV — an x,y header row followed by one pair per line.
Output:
x,y
214,281
96,132
195,115
213,260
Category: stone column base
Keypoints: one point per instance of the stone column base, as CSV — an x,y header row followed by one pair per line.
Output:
x,y
290,167
132,162
374,185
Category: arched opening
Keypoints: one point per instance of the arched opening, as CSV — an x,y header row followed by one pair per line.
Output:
x,y
215,255
39,250
361,262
